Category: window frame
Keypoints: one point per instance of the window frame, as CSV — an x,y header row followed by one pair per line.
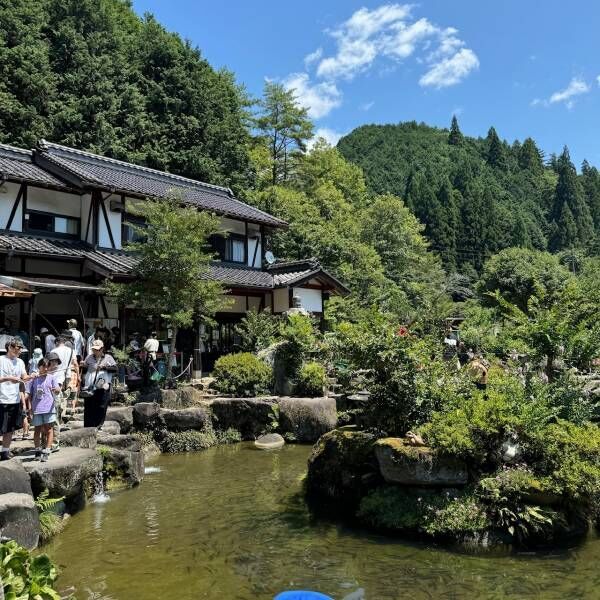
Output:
x,y
53,233
126,219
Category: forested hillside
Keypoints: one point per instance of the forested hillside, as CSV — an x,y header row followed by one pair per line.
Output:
x,y
94,75
478,196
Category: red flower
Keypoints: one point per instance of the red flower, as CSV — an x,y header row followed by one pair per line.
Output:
x,y
402,331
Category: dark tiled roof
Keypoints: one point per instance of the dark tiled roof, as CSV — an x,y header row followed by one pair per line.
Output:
x,y
118,263
232,276
108,173
17,164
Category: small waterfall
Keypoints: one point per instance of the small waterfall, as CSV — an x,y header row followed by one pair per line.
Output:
x,y
150,470
100,496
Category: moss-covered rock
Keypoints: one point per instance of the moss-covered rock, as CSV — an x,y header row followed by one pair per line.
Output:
x,y
401,463
342,467
250,416
307,419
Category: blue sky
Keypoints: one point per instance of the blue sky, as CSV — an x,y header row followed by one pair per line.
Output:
x,y
529,68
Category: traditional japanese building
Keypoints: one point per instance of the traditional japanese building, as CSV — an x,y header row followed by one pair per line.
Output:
x,y
64,230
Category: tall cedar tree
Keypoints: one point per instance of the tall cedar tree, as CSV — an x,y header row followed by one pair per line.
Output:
x,y
569,194
170,277
455,137
285,126
496,156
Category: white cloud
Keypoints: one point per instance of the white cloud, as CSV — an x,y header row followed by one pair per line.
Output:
x,y
329,135
367,106
389,32
598,79
576,87
313,57
452,70
319,98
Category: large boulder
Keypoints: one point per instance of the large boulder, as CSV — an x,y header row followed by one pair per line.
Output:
x,y
183,397
401,463
341,469
19,519
122,441
146,415
111,427
67,473
250,416
307,419
83,437
14,478
122,467
123,415
187,418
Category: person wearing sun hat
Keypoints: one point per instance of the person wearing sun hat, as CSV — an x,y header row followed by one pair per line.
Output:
x,y
99,370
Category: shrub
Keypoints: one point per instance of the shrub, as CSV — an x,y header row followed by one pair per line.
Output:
x,y
258,330
311,379
429,512
189,441
229,436
242,374
24,576
300,336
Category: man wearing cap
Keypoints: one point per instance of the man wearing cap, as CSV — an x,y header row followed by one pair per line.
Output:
x,y
99,368
12,373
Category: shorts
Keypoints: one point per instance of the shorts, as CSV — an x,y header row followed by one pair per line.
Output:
x,y
10,417
44,419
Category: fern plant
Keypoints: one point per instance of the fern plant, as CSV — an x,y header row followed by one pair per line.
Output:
x,y
50,522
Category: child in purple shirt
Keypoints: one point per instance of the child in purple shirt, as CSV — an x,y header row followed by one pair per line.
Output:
x,y
42,393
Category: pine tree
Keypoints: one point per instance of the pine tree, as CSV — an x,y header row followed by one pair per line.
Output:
x,y
496,155
455,137
590,179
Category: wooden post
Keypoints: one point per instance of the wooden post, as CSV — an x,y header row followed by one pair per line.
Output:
x,y
31,324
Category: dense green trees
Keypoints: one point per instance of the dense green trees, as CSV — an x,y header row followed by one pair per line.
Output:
x,y
92,74
478,196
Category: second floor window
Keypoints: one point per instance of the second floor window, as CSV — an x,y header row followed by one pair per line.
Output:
x,y
230,248
129,233
51,224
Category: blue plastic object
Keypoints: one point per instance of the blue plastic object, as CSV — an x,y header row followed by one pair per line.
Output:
x,y
302,595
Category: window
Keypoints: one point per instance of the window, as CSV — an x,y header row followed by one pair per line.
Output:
x,y
130,234
231,248
48,223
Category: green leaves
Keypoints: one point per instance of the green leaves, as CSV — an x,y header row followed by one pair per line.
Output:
x,y
25,577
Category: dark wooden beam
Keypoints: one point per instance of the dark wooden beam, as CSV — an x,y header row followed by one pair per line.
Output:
x,y
255,252
103,304
89,220
13,212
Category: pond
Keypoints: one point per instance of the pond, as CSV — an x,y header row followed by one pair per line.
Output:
x,y
229,524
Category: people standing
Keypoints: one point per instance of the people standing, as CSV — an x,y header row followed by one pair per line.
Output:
x,y
94,335
77,338
68,361
43,393
12,373
32,366
99,370
48,340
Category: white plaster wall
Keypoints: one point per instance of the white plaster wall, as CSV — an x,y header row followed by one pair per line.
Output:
x,y
8,194
54,202
310,299
111,306
280,300
114,219
253,303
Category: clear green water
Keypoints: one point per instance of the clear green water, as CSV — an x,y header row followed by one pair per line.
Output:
x,y
229,524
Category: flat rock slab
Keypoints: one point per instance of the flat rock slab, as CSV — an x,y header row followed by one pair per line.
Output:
x,y
186,418
307,418
65,472
401,463
14,478
146,415
111,427
123,415
19,519
84,437
122,441
270,441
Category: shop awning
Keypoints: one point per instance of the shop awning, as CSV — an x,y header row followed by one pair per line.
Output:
x,y
31,285
7,291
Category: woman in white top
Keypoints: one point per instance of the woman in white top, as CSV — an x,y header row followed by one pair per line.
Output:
x,y
99,370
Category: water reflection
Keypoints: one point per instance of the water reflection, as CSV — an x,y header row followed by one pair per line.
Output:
x,y
230,523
